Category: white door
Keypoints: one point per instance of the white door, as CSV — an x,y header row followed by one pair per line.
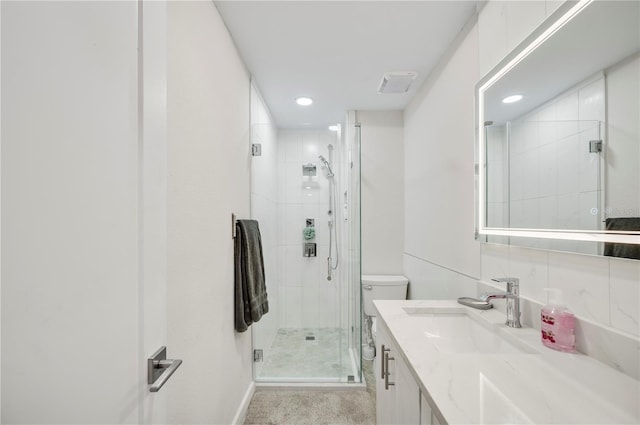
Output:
x,y
83,222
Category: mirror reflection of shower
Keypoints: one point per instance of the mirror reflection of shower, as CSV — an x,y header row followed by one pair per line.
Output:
x,y
333,236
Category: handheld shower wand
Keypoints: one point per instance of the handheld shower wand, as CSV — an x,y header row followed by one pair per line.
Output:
x,y
327,165
333,237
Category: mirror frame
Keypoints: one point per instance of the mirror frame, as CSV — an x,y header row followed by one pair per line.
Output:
x,y
564,14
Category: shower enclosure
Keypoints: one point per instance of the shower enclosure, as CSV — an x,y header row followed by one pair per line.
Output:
x,y
306,196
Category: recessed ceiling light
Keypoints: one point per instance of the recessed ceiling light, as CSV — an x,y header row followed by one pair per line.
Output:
x,y
334,128
512,99
304,101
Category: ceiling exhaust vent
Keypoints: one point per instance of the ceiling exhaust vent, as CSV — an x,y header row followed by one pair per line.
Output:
x,y
396,82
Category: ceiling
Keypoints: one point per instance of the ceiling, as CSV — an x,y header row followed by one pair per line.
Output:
x,y
336,52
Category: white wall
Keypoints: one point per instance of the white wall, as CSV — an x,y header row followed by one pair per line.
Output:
x,y
439,177
307,299
209,158
603,292
382,174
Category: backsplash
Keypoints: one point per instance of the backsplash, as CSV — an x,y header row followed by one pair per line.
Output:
x,y
603,293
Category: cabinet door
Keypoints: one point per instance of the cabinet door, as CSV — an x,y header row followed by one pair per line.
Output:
x,y
407,395
425,411
434,419
385,397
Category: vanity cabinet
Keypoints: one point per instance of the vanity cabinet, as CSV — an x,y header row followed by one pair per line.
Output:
x,y
384,372
427,416
398,394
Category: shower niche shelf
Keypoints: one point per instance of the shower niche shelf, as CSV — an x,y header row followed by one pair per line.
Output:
x,y
309,170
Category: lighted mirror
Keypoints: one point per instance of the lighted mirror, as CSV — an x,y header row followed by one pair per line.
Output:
x,y
558,135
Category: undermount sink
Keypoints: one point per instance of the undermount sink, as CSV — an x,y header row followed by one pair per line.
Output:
x,y
462,333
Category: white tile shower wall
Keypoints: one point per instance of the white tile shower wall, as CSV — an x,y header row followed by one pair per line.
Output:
x,y
307,299
264,209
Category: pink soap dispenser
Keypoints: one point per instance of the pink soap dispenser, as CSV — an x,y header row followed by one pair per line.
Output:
x,y
558,324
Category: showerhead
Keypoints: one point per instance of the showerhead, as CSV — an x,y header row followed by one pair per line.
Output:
x,y
327,165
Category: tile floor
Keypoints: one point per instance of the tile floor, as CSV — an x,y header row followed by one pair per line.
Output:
x,y
308,354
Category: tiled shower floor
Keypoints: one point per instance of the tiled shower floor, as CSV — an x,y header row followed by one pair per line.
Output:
x,y
295,356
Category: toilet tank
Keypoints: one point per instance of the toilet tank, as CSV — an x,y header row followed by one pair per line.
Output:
x,y
382,287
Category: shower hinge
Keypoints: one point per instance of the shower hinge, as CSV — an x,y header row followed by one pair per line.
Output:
x,y
595,146
256,149
257,355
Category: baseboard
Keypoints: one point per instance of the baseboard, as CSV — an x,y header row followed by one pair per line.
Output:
x,y
241,414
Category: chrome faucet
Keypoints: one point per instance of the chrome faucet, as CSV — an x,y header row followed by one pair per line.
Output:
x,y
512,295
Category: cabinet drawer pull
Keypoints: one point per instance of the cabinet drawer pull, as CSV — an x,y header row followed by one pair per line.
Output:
x,y
386,375
382,353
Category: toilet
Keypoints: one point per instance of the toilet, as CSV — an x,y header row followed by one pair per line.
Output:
x,y
380,287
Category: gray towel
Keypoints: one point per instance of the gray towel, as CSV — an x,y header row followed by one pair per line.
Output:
x,y
250,288
622,250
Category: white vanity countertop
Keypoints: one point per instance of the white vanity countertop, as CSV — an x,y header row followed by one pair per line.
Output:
x,y
539,386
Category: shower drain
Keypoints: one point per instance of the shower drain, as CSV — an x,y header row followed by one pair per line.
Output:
x,y
310,338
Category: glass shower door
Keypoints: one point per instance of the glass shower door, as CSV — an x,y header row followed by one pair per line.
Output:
x,y
307,335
